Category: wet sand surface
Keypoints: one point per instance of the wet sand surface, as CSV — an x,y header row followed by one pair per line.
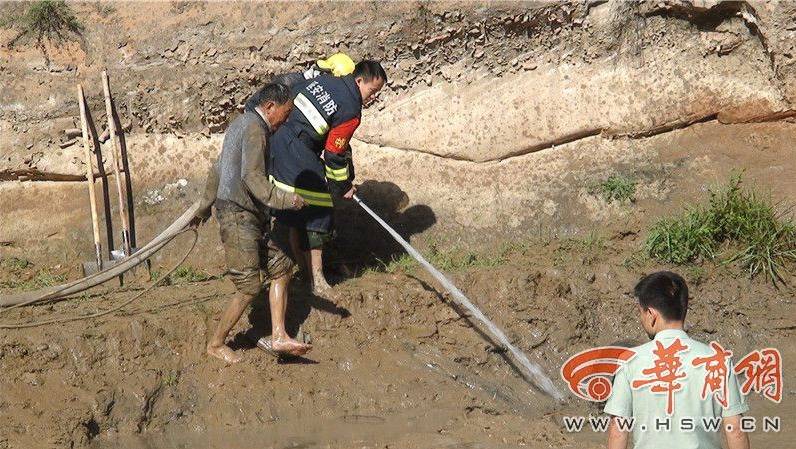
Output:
x,y
393,365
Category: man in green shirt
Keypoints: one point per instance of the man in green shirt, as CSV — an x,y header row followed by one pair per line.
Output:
x,y
675,389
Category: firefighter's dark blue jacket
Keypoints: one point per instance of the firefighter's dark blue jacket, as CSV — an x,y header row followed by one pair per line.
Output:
x,y
326,111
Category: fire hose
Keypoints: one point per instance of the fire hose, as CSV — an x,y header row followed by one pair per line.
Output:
x,y
70,288
529,368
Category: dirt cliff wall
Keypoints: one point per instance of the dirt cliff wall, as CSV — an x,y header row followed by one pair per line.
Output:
x,y
481,88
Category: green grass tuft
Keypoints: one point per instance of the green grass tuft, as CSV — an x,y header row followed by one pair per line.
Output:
x,y
615,188
203,309
755,234
682,240
104,9
457,259
402,262
182,274
14,282
449,260
15,264
171,378
52,20
188,274
43,278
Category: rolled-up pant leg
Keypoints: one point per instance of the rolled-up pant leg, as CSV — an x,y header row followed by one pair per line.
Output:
x,y
279,254
242,234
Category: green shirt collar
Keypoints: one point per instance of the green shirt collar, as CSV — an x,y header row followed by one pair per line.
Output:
x,y
670,334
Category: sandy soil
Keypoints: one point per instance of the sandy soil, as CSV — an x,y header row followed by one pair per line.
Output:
x,y
394,363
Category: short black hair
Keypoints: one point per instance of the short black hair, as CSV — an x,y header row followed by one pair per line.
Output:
x,y
369,70
278,93
665,292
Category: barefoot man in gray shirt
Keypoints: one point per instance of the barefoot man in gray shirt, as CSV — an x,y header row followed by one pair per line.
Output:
x,y
238,185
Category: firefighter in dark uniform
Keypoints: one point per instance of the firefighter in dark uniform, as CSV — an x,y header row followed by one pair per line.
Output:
x,y
311,153
339,64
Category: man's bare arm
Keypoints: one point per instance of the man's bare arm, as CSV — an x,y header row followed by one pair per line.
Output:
x,y
736,439
617,438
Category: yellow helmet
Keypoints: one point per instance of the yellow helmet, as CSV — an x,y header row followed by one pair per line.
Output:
x,y
339,64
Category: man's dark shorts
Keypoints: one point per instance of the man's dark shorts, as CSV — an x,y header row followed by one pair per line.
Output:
x,y
250,248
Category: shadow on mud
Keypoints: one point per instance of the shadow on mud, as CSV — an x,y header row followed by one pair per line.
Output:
x,y
299,307
360,241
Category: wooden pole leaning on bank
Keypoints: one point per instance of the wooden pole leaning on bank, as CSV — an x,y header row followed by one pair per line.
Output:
x,y
81,99
117,160
103,176
128,178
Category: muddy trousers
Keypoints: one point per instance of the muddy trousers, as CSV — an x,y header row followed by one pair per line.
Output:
x,y
255,253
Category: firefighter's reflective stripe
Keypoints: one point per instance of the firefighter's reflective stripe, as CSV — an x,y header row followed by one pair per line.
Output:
x,y
341,174
323,199
311,114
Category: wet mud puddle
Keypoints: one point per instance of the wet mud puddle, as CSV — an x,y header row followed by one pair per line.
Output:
x,y
343,431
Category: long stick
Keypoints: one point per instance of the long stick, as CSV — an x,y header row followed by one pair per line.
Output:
x,y
128,181
117,160
541,380
92,197
106,197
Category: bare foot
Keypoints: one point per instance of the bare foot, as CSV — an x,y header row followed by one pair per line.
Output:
x,y
225,354
289,346
320,286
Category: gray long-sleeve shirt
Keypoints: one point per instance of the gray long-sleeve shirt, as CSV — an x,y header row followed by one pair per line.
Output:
x,y
240,174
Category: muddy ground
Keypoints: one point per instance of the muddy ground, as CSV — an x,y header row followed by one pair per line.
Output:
x,y
483,149
395,363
